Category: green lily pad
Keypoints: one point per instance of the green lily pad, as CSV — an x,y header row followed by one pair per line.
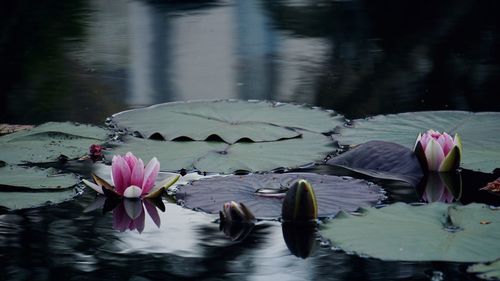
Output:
x,y
45,143
433,232
229,120
381,160
332,193
23,187
480,133
226,158
489,271
22,200
34,178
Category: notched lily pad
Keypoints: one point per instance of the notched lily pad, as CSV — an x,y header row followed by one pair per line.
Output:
x,y
22,200
221,157
22,187
480,133
229,120
45,143
381,160
34,178
433,232
333,193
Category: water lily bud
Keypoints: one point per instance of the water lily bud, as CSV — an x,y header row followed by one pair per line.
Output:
x,y
236,212
438,151
95,152
300,203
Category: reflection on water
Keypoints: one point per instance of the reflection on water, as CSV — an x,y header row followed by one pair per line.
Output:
x,y
442,187
85,60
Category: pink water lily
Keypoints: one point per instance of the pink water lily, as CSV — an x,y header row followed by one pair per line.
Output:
x,y
131,179
438,151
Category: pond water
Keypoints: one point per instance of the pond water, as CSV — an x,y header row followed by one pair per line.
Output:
x,y
85,60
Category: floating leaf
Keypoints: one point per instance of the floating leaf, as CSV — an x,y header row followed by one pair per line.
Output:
x,y
28,199
45,143
433,232
226,158
382,160
333,193
34,178
229,120
489,271
39,186
480,133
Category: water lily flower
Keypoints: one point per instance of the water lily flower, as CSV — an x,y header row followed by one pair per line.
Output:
x,y
438,151
131,178
300,203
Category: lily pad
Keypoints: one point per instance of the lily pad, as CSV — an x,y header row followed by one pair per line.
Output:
x,y
489,271
433,232
33,178
22,200
221,157
382,160
332,193
229,120
45,143
480,133
22,187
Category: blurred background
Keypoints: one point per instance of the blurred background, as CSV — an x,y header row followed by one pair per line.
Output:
x,y
85,60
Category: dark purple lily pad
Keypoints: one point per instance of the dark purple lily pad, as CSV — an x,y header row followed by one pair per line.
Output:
x,y
332,193
382,160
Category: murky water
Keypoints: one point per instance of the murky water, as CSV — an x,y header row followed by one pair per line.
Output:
x,y
84,60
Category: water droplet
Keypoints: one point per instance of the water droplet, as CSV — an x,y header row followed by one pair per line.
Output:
x,y
452,228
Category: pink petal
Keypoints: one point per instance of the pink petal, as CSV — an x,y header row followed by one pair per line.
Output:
x,y
425,140
120,219
434,154
138,223
132,192
121,174
153,212
150,174
131,160
116,173
137,176
448,144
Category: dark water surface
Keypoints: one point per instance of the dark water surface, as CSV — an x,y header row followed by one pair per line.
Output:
x,y
84,60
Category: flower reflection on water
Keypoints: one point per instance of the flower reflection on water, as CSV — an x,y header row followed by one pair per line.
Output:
x,y
131,215
442,187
